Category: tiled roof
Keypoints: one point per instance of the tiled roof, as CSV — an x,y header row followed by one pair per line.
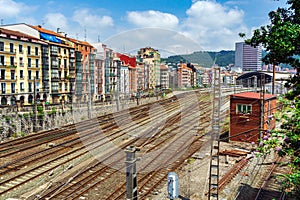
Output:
x,y
164,67
40,29
79,42
252,95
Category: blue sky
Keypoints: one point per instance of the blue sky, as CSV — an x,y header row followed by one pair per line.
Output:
x,y
178,26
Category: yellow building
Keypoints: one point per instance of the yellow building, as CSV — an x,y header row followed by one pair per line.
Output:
x,y
151,59
58,62
20,64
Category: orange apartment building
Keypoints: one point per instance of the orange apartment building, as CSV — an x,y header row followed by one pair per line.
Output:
x,y
184,75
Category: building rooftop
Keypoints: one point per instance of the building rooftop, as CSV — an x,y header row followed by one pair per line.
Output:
x,y
252,95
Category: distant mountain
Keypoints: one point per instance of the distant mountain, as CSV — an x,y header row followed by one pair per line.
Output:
x,y
204,58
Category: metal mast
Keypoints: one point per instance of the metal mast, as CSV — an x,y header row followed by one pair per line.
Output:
x,y
213,189
262,103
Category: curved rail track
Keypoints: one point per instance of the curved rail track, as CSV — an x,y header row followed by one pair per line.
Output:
x,y
30,161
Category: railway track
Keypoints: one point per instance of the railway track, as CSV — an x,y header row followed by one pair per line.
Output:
x,y
270,188
120,158
69,150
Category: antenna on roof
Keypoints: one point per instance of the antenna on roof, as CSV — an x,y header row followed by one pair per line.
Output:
x,y
2,22
84,34
98,38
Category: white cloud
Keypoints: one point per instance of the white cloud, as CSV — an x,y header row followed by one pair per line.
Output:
x,y
10,8
86,19
213,25
165,40
152,18
56,20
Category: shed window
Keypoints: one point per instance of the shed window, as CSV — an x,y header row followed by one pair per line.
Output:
x,y
243,108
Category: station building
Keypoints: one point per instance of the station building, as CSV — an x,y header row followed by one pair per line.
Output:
x,y
245,115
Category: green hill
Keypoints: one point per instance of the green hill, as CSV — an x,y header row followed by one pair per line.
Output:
x,y
204,58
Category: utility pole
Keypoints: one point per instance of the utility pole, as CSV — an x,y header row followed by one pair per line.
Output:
x,y
118,85
213,190
262,104
273,81
131,174
255,83
35,107
89,97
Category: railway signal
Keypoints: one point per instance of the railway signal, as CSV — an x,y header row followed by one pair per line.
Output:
x,y
131,174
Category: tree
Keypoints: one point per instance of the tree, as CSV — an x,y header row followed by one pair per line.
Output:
x,y
281,39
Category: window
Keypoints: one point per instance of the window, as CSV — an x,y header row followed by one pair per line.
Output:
x,y
22,88
28,50
65,63
20,48
29,74
11,47
12,74
36,51
3,88
1,46
13,87
2,74
21,61
36,63
37,74
2,60
29,87
12,60
66,86
21,74
29,62
244,108
54,87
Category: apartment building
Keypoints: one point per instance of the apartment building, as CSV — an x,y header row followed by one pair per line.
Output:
x,y
184,75
86,81
58,61
142,76
151,59
20,68
99,71
128,69
164,76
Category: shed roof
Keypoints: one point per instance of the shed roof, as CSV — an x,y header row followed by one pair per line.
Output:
x,y
252,95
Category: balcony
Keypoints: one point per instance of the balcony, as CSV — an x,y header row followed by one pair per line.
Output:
x,y
54,91
45,67
29,55
53,53
8,51
8,79
54,66
55,79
